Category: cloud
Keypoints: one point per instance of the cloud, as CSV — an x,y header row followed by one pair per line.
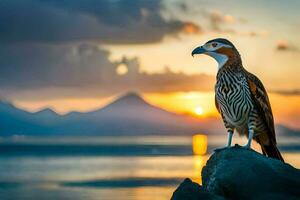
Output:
x,y
41,65
106,21
284,45
218,19
224,23
43,70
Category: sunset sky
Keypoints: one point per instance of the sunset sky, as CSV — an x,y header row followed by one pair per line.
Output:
x,y
80,55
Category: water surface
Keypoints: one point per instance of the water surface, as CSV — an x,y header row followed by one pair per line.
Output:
x,y
126,168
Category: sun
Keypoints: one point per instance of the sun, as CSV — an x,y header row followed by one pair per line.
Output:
x,y
199,110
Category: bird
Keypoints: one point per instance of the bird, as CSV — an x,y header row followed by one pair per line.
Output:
x,y
241,98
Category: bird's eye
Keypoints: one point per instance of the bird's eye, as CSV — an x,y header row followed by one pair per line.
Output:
x,y
214,44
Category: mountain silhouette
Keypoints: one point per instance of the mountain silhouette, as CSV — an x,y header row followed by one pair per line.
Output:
x,y
129,114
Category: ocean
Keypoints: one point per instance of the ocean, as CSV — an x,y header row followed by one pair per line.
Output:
x,y
107,168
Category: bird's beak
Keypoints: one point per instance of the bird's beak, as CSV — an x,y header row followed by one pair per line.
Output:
x,y
198,50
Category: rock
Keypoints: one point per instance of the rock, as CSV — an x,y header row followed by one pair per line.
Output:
x,y
189,190
238,173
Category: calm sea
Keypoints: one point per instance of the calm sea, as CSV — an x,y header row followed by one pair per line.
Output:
x,y
106,168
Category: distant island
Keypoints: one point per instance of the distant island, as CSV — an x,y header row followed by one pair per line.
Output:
x,y
130,114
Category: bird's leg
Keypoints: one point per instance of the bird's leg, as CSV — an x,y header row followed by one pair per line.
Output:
x,y
230,130
229,138
250,137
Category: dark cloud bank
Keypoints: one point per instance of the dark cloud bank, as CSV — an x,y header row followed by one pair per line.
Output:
x,y
48,48
111,21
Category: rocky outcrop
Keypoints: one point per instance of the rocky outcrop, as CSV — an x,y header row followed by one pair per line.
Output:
x,y
189,190
238,173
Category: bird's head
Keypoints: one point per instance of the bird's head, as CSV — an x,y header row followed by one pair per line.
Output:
x,y
222,50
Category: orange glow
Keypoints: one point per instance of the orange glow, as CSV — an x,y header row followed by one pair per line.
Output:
x,y
199,144
199,110
185,102
286,109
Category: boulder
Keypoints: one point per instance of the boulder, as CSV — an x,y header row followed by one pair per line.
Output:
x,y
189,190
238,173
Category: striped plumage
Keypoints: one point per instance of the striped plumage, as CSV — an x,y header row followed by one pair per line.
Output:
x,y
241,98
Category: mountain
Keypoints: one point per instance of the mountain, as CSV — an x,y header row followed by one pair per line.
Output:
x,y
17,121
130,114
46,113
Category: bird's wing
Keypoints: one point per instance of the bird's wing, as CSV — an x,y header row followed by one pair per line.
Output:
x,y
217,104
261,99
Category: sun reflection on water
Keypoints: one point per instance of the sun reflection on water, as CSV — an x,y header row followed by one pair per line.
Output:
x,y
199,144
199,149
199,162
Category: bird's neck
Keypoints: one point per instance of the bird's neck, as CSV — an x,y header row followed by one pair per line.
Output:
x,y
220,58
227,59
231,67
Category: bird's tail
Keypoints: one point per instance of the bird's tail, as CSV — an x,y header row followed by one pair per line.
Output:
x,y
272,151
